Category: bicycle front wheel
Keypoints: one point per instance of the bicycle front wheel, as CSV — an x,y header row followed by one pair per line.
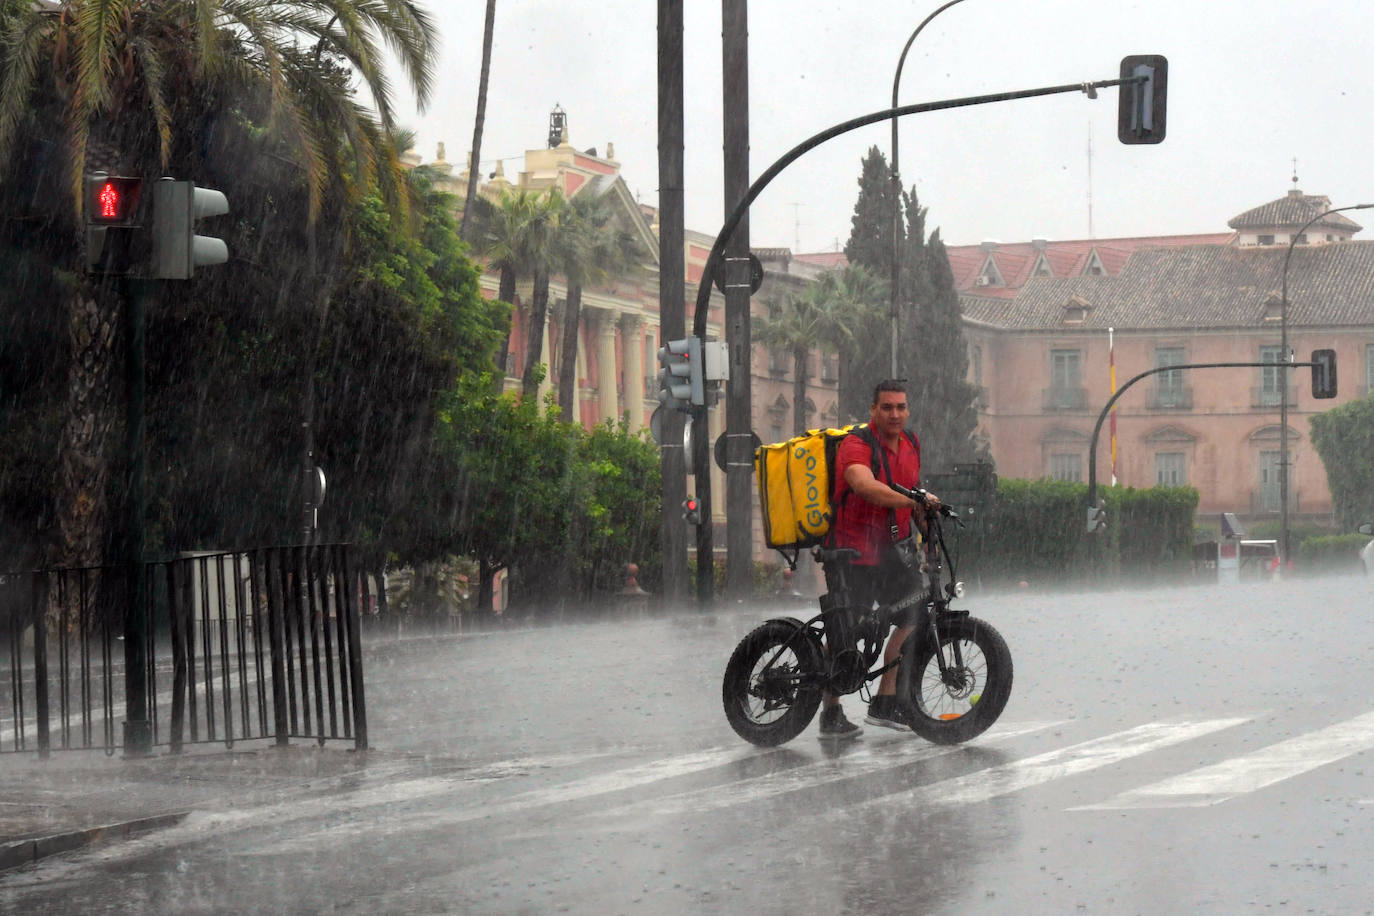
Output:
x,y
957,694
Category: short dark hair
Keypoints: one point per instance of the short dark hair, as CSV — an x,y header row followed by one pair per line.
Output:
x,y
889,384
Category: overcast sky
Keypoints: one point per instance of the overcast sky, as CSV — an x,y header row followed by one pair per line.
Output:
x,y
1252,84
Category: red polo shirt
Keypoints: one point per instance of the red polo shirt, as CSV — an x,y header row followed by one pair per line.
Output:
x,y
859,524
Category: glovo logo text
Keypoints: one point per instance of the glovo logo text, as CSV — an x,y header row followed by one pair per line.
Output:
x,y
813,512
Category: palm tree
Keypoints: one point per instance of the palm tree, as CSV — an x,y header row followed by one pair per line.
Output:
x,y
516,234
136,87
541,246
476,155
826,315
591,246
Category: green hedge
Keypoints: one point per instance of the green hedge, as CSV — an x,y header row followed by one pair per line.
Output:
x,y
1329,553
1035,530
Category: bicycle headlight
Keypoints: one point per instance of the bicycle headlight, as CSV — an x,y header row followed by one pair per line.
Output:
x,y
958,589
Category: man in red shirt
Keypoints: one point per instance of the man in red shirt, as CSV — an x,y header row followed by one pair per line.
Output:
x,y
867,511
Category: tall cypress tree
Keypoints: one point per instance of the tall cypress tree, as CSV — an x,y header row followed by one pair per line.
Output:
x,y
862,365
934,357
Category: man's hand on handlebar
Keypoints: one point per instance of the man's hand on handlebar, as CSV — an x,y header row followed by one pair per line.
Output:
x,y
919,498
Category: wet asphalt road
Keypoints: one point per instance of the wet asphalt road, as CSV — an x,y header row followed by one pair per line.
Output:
x,y
1176,750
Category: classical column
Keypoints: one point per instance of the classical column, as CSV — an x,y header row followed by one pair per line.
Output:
x,y
547,385
605,366
632,333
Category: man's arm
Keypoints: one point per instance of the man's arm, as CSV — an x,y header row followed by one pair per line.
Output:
x,y
860,479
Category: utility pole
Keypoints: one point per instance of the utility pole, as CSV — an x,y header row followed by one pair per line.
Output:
x,y
739,441
672,303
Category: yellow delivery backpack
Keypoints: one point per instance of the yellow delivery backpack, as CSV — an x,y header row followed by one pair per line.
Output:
x,y
796,480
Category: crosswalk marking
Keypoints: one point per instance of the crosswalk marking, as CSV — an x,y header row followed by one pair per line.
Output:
x,y
1215,784
1033,771
861,762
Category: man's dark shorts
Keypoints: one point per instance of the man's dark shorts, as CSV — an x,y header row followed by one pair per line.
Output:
x,y
888,582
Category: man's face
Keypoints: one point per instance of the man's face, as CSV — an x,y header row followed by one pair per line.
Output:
x,y
889,414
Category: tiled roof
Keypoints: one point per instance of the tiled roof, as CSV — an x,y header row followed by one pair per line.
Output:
x,y
826,259
1201,286
1016,260
1292,210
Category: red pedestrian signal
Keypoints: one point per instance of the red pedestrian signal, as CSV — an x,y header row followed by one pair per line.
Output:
x,y
116,244
112,200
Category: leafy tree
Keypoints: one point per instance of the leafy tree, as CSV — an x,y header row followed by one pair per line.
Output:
x,y
146,88
1344,438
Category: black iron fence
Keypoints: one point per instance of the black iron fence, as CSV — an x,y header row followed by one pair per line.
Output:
x,y
242,645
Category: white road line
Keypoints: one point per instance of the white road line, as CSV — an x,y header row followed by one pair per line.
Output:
x,y
1214,784
853,765
1069,761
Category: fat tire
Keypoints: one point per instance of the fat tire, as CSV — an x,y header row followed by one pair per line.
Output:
x,y
992,684
788,716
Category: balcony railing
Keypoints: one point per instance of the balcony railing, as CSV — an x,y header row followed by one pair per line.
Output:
x,y
1264,396
1065,398
1176,398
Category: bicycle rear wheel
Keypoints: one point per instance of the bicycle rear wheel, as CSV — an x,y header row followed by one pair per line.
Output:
x,y
771,696
963,700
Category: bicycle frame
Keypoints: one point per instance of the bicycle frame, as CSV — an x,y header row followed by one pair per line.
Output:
x,y
846,620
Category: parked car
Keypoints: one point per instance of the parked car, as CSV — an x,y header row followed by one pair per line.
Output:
x,y
1367,551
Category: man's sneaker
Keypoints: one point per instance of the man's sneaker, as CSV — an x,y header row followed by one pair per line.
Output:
x,y
835,725
884,710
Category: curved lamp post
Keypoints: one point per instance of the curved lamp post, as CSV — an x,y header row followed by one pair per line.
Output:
x,y
1283,380
896,278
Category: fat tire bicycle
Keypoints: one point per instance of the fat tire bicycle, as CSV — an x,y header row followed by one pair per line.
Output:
x,y
954,672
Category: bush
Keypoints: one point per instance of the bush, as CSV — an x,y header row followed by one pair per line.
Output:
x,y
1329,553
1036,531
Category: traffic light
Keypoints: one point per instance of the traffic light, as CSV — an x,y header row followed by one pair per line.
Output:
x,y
1141,106
691,510
1323,373
1097,517
177,250
680,382
115,241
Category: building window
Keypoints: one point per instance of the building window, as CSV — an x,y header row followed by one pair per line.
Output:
x,y
1270,467
830,367
1271,377
1171,469
1368,368
1067,467
1266,240
976,362
1066,380
1302,238
777,361
1169,390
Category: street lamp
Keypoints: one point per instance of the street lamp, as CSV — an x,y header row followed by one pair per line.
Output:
x,y
896,277
1285,359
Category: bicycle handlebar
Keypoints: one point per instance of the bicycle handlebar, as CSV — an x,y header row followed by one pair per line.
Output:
x,y
919,495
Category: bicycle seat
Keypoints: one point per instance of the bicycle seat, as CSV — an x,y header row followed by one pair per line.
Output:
x,y
845,554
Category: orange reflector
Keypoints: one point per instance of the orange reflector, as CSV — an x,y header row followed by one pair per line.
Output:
x,y
950,715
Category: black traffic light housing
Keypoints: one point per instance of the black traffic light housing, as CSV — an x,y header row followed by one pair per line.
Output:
x,y
1323,373
116,240
691,510
1141,106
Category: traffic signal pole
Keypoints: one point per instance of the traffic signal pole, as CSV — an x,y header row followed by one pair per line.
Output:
x,y
739,439
672,307
138,730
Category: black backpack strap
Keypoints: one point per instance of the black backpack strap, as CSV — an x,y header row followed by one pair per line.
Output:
x,y
878,455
